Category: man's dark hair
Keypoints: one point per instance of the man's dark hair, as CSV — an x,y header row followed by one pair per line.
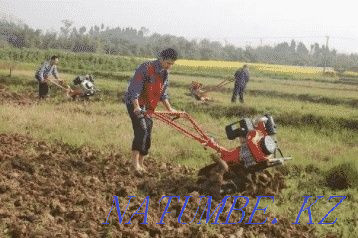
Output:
x,y
54,57
168,53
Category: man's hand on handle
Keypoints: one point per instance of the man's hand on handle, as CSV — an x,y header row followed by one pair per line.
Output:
x,y
137,111
45,80
172,110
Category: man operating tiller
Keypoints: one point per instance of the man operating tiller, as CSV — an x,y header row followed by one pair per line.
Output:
x,y
147,87
48,68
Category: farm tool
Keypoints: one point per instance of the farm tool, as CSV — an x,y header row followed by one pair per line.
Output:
x,y
196,90
84,87
60,85
199,93
243,168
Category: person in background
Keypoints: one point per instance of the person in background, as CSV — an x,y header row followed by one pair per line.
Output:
x,y
147,87
47,69
242,76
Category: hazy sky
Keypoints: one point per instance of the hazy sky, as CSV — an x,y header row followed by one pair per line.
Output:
x,y
241,22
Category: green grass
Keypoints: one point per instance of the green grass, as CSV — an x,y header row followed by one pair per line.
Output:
x,y
85,62
70,60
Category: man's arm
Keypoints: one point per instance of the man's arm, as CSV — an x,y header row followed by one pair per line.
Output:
x,y
54,72
41,72
168,106
165,97
247,77
165,94
136,106
136,86
237,73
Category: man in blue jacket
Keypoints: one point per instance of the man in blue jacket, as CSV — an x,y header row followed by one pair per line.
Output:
x,y
47,68
242,76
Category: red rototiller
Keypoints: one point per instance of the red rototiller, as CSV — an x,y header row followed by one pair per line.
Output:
x,y
258,145
198,91
258,149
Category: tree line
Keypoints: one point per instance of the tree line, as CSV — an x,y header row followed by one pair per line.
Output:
x,y
132,42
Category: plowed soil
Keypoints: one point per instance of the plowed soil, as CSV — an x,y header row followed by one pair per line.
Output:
x,y
54,190
11,97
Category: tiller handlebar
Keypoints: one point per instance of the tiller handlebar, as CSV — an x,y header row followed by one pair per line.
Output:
x,y
195,132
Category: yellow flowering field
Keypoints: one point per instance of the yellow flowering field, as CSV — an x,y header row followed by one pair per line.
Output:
x,y
257,66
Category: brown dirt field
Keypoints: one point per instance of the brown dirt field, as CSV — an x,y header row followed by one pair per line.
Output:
x,y
15,98
54,190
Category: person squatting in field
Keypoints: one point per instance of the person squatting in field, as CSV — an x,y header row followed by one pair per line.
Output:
x,y
242,76
147,87
42,75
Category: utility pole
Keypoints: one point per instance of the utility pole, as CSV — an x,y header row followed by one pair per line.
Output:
x,y
325,54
